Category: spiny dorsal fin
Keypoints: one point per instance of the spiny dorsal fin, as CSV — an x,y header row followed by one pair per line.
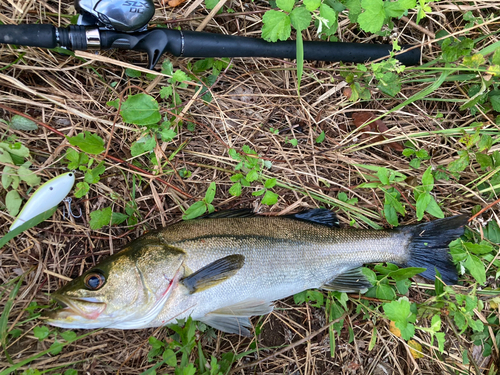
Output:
x,y
241,212
213,273
319,216
351,281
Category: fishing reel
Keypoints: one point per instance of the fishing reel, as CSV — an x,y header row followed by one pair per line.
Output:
x,y
119,15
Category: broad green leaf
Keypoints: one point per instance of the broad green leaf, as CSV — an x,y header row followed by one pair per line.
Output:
x,y
406,273
258,193
434,209
461,163
270,183
179,76
320,138
372,19
211,4
391,215
41,332
7,174
383,176
286,5
422,202
407,330
476,268
88,142
68,335
277,26
144,144
428,180
13,202
168,134
479,248
5,157
169,358
300,18
384,291
398,8
389,84
117,218
17,149
82,188
253,175
235,190
270,198
140,109
76,159
132,73
93,176
210,194
354,7
370,275
22,123
330,15
28,175
195,210
398,311
100,218
166,92
312,5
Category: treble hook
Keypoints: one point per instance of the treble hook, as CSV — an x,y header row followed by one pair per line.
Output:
x,y
70,212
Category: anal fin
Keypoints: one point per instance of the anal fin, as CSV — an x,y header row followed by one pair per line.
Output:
x,y
351,281
234,318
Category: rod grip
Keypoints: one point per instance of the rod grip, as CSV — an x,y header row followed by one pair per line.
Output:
x,y
43,36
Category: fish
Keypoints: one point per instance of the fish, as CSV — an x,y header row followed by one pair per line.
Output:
x,y
232,265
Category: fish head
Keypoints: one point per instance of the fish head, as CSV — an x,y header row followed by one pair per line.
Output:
x,y
127,290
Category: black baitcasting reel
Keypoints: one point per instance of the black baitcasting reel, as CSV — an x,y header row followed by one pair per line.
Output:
x,y
105,24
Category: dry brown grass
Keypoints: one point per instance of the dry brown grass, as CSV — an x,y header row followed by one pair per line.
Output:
x,y
249,98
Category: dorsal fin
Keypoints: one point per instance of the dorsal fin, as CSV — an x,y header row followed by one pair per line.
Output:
x,y
319,216
240,212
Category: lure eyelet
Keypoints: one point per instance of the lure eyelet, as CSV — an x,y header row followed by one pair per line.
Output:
x,y
94,280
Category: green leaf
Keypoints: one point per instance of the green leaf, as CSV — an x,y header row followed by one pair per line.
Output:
x,y
76,158
484,160
167,67
166,92
320,137
100,218
179,76
476,268
210,194
22,123
211,4
117,218
13,202
258,193
235,190
479,248
428,180
384,291
398,8
88,142
41,332
7,174
406,273
461,163
169,356
195,210
132,73
82,188
168,134
286,5
68,335
312,5
56,348
372,19
370,275
71,371
354,7
270,198
389,84
277,26
391,215
140,109
398,311
434,209
28,175
422,202
330,15
270,183
403,286
17,149
383,176
300,18
92,176
144,144
253,175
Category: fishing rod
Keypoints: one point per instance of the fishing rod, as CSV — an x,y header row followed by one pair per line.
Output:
x,y
122,24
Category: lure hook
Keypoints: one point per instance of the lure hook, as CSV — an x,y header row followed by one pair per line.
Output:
x,y
68,200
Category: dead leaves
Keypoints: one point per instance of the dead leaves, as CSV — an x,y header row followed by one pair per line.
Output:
x,y
173,3
378,126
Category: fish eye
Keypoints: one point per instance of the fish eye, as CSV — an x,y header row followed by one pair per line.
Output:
x,y
94,280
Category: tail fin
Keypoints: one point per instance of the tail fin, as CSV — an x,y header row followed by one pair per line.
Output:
x,y
429,246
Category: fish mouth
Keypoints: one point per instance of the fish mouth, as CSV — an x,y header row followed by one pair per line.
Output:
x,y
86,307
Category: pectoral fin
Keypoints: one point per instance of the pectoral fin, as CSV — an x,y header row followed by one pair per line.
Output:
x,y
214,273
351,281
234,318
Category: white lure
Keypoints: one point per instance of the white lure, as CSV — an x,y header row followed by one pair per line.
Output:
x,y
49,195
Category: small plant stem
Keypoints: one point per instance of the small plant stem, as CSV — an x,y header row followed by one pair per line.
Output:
x,y
484,209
